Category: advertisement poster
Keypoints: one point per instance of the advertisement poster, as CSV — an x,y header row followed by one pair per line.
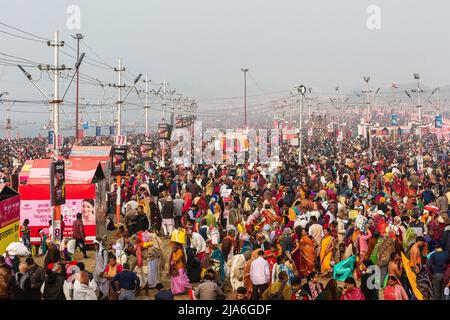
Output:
x,y
147,150
164,131
9,211
9,222
39,212
8,234
119,162
57,183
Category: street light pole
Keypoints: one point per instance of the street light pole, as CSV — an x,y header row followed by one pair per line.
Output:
x,y
419,106
146,106
245,70
369,116
301,89
339,120
78,37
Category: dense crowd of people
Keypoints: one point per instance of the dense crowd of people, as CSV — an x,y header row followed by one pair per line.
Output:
x,y
341,226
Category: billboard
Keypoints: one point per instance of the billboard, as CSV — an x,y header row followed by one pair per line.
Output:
x,y
39,212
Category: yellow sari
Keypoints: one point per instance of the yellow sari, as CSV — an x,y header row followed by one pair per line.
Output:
x,y
326,252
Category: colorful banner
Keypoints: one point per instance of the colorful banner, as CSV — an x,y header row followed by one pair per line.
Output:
x,y
9,211
39,213
57,183
119,161
9,234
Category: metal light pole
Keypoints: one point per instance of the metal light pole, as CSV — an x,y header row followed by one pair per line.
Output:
x,y
119,86
419,106
78,37
245,70
369,116
339,120
146,106
302,90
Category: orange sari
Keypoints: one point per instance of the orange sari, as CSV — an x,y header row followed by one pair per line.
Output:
x,y
306,255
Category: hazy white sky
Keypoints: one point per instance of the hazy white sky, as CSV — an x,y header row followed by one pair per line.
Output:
x,y
199,46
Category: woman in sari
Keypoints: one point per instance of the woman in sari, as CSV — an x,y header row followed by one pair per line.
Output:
x,y
296,254
179,282
306,250
331,291
326,252
247,281
218,263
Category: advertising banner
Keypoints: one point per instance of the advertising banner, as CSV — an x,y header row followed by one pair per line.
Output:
x,y
8,234
39,212
9,211
164,131
57,183
9,221
119,162
147,150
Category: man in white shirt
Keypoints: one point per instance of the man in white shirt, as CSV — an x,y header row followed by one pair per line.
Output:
x,y
199,244
259,275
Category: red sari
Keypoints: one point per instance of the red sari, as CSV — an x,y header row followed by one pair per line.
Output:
x,y
306,255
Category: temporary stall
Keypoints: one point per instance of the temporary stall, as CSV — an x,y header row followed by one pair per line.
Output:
x,y
9,217
102,154
81,178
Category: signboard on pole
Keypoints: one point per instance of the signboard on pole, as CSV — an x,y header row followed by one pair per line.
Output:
x,y
119,161
59,141
438,121
147,150
394,119
112,130
57,183
164,130
98,131
120,140
50,139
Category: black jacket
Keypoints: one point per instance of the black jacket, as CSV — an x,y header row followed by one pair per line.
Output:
x,y
54,287
167,211
141,222
37,279
21,287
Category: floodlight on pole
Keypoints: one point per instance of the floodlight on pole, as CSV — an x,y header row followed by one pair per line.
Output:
x,y
369,115
245,70
301,89
34,84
